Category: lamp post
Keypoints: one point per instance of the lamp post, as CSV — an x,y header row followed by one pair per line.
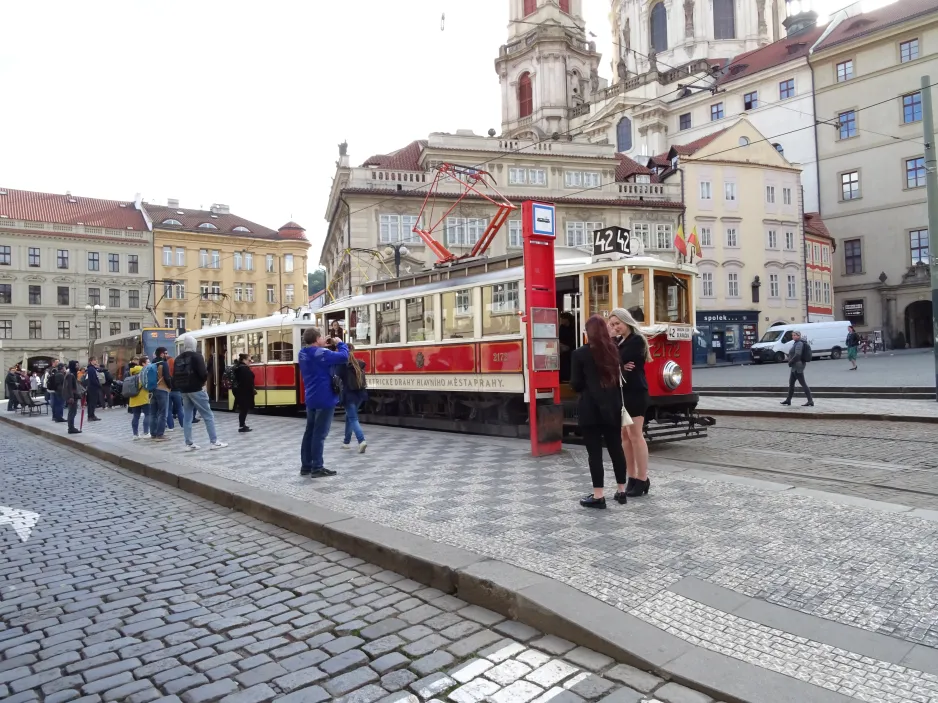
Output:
x,y
95,310
398,250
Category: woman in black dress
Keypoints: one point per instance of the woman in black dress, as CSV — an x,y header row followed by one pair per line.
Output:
x,y
595,376
633,354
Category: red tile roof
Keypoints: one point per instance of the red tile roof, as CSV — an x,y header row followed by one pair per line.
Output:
x,y
884,17
696,145
70,210
814,225
628,167
291,230
191,219
406,159
772,55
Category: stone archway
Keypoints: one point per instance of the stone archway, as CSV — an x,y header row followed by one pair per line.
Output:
x,y
918,324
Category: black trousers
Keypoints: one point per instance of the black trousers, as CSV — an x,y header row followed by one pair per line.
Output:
x,y
93,401
798,376
242,416
72,412
593,437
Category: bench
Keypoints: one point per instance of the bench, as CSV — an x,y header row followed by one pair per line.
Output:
x,y
28,402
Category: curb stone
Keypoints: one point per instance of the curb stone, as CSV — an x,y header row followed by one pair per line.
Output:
x,y
552,607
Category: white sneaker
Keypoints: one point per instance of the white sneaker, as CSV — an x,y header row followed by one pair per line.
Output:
x,y
170,429
136,437
192,447
147,436
218,445
362,447
346,446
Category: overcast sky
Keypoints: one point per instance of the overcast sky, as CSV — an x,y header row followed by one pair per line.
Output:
x,y
238,102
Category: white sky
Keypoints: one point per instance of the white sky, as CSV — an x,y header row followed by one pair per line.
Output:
x,y
238,102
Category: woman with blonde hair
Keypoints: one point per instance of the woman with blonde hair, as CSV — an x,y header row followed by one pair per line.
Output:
x,y
634,353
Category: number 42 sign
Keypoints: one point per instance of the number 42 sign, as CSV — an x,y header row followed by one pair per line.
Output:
x,y
611,240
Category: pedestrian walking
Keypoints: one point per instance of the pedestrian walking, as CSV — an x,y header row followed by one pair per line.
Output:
x,y
158,382
189,377
56,387
140,403
74,392
322,395
595,373
93,395
853,346
634,353
799,355
34,384
243,390
11,385
354,394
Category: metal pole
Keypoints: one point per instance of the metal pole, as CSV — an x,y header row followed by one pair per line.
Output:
x,y
397,260
931,182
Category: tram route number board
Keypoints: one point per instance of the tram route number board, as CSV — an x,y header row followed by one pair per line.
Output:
x,y
680,333
611,240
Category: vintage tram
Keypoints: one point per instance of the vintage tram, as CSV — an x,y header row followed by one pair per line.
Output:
x,y
445,348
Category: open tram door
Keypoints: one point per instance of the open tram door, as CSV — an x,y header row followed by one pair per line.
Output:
x,y
215,351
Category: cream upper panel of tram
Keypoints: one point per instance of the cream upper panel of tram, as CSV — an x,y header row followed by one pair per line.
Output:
x,y
274,321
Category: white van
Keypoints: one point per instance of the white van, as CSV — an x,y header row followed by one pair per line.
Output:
x,y
824,338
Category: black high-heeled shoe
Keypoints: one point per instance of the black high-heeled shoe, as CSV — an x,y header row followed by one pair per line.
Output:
x,y
629,484
639,488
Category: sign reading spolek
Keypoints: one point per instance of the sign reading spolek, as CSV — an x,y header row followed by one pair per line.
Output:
x,y
543,220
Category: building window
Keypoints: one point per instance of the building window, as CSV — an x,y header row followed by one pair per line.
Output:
x,y
6,329
732,237
35,295
114,263
168,291
684,121
584,179
249,292
724,19
115,328
825,255
6,255
792,286
565,6
827,293
114,297
789,241
6,293
908,50
786,89
271,294
464,232
848,124
65,331
94,296
844,71
773,285
34,256
133,299
94,329
397,228
133,263
288,263
238,261
248,261
659,28
270,263
525,96
716,112
288,293
180,287
94,261
706,237
751,100
167,256
770,194
35,329
203,258
817,292
664,236
580,234
207,225
915,172
514,234
168,321
530,7
642,231
180,256
216,259
911,108
786,196
238,293
918,241
133,326
706,191
61,258
850,185
729,191
62,295
732,285
853,258
526,176
817,253
779,148
624,135
706,288
772,242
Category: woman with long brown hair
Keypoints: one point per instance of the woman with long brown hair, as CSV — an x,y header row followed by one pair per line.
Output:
x,y
595,376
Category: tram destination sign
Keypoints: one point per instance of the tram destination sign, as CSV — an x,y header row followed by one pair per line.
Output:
x,y
611,240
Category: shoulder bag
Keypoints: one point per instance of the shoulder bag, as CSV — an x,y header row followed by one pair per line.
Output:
x,y
626,419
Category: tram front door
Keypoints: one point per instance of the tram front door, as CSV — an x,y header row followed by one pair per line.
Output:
x,y
215,351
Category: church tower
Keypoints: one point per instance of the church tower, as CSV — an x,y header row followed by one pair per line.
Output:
x,y
547,69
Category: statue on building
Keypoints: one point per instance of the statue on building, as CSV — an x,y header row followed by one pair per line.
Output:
x,y
594,82
760,10
625,45
623,71
343,149
689,18
653,60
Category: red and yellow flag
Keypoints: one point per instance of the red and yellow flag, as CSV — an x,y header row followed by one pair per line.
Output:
x,y
679,242
694,241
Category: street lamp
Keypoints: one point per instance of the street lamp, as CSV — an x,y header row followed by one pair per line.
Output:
x,y
95,309
398,250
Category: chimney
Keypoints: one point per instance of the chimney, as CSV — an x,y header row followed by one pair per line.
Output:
x,y
219,209
172,202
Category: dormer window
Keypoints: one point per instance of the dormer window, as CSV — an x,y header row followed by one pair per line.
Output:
x,y
172,222
207,225
241,229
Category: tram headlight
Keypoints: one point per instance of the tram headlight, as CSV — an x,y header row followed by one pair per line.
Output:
x,y
672,375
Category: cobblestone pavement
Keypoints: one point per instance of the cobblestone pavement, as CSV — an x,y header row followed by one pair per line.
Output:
x,y
823,406
845,564
132,592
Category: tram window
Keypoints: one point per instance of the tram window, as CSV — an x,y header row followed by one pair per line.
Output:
x,y
360,325
672,298
280,345
500,306
420,323
256,346
388,322
600,294
633,301
458,314
236,345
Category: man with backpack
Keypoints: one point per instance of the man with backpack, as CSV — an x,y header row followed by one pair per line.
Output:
x,y
240,378
799,355
157,381
189,377
55,386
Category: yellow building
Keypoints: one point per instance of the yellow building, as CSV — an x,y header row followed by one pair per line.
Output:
x,y
213,267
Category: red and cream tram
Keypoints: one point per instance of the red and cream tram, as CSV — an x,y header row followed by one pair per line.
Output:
x,y
445,348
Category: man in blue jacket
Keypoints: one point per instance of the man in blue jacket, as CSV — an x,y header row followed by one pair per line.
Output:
x,y
316,364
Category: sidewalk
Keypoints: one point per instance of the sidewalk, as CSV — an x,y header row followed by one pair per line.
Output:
x,y
750,590
825,408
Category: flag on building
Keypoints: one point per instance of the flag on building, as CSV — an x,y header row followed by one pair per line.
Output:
x,y
679,243
694,241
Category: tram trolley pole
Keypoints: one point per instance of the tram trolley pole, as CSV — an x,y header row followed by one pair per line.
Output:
x,y
931,184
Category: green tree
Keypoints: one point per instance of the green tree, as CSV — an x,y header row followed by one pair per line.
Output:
x,y
316,281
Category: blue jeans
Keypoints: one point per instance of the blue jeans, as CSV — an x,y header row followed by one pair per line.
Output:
x,y
197,401
352,424
318,422
159,401
58,407
135,422
174,407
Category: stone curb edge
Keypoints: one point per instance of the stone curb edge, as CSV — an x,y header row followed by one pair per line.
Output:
x,y
541,602
872,417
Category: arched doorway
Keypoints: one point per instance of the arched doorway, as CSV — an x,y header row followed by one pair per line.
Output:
x,y
918,324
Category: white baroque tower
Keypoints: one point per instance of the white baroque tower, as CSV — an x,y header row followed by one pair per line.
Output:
x,y
547,69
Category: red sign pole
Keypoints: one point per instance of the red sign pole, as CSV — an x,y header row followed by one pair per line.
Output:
x,y
542,336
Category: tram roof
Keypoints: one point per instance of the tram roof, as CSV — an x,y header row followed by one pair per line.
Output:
x,y
281,320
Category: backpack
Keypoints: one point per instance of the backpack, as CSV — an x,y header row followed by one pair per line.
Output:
x,y
50,381
130,388
806,355
151,376
356,376
229,378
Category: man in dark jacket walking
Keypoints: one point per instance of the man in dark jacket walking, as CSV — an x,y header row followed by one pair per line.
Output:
x,y
189,376
796,363
316,365
243,390
73,395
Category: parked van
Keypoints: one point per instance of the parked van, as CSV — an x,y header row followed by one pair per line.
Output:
x,y
824,338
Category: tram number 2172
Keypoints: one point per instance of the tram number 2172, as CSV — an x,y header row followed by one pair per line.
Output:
x,y
611,240
665,350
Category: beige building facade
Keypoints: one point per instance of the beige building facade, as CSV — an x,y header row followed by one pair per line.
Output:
x,y
872,170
